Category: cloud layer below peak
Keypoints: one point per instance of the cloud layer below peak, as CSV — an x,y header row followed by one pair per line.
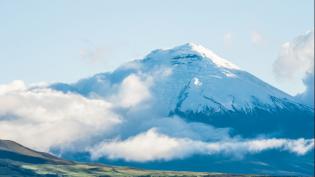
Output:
x,y
120,120
159,146
42,118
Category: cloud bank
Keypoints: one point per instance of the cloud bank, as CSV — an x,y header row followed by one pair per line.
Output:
x,y
42,118
158,146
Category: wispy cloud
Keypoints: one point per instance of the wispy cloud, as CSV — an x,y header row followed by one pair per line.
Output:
x,y
227,39
94,53
256,37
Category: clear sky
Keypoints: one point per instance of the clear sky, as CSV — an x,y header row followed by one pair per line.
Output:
x,y
68,40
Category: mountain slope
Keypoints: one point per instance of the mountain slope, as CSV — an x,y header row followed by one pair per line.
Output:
x,y
196,84
13,151
194,70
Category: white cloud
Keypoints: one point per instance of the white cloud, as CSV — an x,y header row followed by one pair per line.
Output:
x,y
133,90
42,118
296,63
14,86
256,37
147,146
296,57
307,96
152,145
178,127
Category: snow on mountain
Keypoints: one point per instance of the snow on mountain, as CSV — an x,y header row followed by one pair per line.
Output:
x,y
190,92
201,79
196,84
193,49
190,78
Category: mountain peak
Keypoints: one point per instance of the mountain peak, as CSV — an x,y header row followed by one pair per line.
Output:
x,y
187,46
193,49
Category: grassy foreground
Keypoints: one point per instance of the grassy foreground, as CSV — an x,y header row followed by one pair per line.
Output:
x,y
94,170
17,160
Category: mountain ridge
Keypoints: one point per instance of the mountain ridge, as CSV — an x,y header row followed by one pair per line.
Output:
x,y
15,151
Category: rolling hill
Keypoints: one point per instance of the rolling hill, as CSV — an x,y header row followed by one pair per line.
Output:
x,y
17,160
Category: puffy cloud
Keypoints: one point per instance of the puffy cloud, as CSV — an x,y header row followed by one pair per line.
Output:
x,y
133,90
144,147
159,146
47,119
14,86
296,57
307,96
296,62
42,118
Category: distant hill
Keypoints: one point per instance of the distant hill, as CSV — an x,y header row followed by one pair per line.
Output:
x,y
13,151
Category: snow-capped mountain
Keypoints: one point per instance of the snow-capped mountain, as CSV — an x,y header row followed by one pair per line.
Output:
x,y
196,84
193,84
199,80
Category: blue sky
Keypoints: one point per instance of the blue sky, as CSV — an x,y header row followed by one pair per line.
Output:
x,y
68,40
